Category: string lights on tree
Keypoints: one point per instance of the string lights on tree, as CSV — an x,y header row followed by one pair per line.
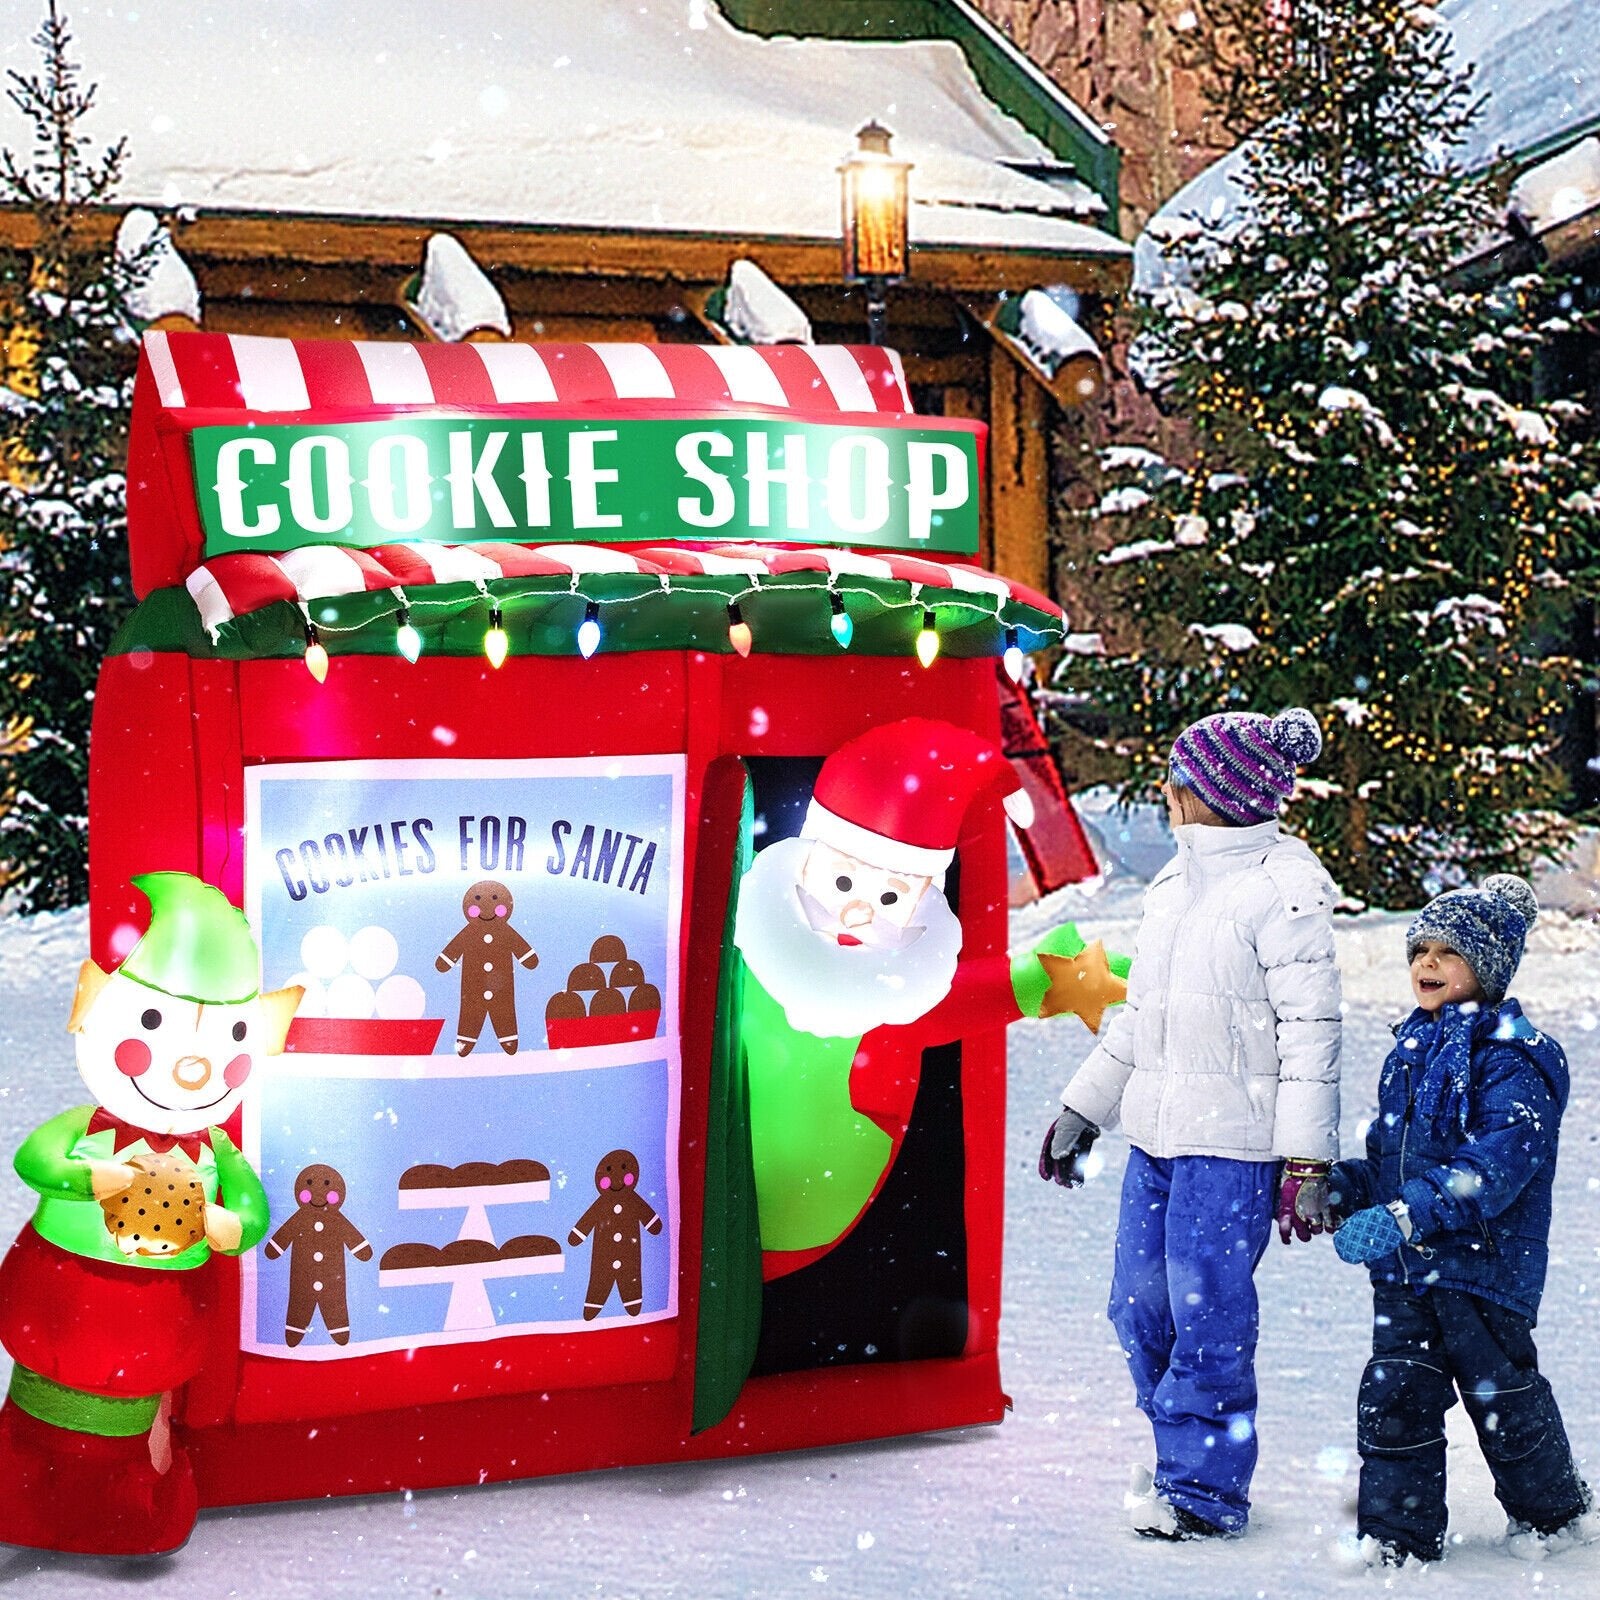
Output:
x,y
1373,517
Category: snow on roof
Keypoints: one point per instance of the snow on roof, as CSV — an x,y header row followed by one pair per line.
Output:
x,y
1532,63
582,114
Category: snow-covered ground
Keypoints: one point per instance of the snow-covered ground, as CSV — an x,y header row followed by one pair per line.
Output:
x,y
1033,1506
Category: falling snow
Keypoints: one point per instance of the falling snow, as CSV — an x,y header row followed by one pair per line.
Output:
x,y
1034,1505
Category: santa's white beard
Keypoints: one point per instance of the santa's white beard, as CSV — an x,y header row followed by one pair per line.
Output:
x,y
838,991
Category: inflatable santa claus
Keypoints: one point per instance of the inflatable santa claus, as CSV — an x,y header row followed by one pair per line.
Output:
x,y
853,967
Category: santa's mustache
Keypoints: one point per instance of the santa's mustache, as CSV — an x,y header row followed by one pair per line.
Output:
x,y
876,934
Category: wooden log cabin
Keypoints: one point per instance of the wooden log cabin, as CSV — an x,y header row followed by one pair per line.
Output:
x,y
604,165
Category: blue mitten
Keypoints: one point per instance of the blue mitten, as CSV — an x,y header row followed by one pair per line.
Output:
x,y
1367,1235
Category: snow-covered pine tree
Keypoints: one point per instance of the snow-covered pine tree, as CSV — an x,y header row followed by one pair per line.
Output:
x,y
65,389
1373,517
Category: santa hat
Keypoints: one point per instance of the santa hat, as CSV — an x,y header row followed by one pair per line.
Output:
x,y
897,796
198,946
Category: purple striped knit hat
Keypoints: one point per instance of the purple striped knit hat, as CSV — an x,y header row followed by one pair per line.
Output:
x,y
1242,763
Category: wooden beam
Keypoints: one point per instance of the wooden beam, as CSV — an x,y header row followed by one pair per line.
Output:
x,y
301,241
1019,473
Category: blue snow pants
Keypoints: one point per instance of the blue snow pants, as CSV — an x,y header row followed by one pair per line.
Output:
x,y
1425,1348
1183,1302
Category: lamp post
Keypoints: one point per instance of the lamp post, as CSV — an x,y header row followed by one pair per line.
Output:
x,y
875,196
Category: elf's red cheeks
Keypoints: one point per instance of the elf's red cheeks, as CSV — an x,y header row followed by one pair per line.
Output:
x,y
237,1071
132,1057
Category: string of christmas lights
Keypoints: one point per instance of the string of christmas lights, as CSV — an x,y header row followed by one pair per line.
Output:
x,y
589,636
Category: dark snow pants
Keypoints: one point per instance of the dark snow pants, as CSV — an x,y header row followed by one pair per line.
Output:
x,y
1183,1302
1426,1347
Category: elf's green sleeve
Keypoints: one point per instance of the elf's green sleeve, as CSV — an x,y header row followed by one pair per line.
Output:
x,y
239,1189
42,1161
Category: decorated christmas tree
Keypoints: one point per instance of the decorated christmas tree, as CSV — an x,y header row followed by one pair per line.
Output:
x,y
1372,516
65,387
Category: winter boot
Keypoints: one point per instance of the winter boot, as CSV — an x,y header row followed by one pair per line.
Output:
x,y
1359,1550
1527,1543
1153,1516
88,1493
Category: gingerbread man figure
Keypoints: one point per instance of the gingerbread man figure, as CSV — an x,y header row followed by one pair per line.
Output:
x,y
615,1219
316,1238
487,949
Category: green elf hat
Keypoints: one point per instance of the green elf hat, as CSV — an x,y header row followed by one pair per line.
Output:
x,y
198,947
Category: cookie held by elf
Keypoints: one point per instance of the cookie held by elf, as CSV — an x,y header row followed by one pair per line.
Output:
x,y
104,1295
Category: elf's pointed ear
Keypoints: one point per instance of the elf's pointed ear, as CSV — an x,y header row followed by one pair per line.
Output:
x,y
278,1007
91,980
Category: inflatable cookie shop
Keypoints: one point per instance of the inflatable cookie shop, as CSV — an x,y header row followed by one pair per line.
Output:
x,y
483,678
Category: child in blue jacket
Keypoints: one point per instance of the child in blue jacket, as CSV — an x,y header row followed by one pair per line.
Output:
x,y
1451,1212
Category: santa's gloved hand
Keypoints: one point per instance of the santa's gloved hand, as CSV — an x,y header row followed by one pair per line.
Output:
x,y
1369,1235
1303,1206
1068,1141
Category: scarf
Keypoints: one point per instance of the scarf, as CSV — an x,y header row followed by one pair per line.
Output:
x,y
1447,1064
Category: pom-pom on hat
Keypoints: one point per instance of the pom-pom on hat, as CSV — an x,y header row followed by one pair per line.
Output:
x,y
1487,927
1242,763
198,946
897,796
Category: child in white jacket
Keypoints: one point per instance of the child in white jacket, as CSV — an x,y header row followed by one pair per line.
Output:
x,y
1223,1065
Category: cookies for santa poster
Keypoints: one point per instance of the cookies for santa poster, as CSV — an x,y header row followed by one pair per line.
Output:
x,y
474,1130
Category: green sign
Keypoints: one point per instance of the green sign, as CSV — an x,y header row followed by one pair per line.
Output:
x,y
458,479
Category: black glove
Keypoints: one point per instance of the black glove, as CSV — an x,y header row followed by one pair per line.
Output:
x,y
1066,1144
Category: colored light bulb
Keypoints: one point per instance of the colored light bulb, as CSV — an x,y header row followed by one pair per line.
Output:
x,y
407,638
739,635
316,658
928,640
496,645
844,630
589,630
1013,656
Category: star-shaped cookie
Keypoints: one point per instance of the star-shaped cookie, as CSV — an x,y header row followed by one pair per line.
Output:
x,y
1083,984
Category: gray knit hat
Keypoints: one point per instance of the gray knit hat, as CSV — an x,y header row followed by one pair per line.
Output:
x,y
1242,763
1487,927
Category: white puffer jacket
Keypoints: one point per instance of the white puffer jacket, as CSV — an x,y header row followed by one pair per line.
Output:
x,y
1229,1042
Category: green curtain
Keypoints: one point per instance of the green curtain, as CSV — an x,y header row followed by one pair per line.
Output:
x,y
730,1268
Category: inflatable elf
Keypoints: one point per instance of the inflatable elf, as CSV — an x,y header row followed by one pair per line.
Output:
x,y
854,966
104,1295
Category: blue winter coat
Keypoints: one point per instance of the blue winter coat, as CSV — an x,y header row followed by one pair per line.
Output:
x,y
1469,1113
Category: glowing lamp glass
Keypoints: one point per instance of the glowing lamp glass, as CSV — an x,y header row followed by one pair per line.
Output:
x,y
928,640
739,635
316,660
875,194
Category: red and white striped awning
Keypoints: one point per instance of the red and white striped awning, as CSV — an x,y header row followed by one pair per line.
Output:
x,y
235,371
231,586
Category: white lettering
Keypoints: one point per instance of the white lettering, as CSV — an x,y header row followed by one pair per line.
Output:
x,y
922,499
870,481
230,488
469,479
586,478
761,476
331,476
410,473
691,508
535,477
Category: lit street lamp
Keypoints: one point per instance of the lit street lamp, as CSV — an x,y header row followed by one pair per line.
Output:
x,y
876,203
